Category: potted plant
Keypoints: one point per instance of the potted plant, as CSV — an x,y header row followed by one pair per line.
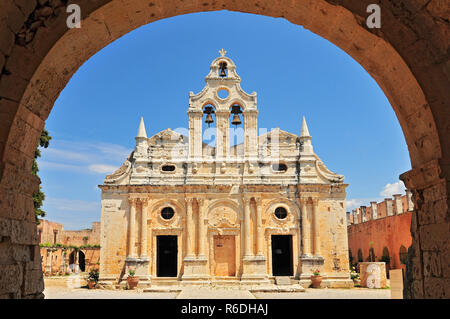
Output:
x,y
316,279
355,277
92,278
132,280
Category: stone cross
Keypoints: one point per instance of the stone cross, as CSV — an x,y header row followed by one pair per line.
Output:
x,y
222,52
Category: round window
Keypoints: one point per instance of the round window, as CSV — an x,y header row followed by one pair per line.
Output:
x,y
281,212
167,213
222,93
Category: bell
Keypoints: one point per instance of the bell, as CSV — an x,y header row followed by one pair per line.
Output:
x,y
209,119
236,120
223,67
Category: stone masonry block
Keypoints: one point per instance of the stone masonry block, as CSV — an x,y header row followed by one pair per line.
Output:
x,y
432,266
434,237
11,278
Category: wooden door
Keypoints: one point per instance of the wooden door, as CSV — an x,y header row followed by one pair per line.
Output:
x,y
224,256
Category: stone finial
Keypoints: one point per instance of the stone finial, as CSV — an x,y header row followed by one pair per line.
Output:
x,y
141,131
304,132
222,52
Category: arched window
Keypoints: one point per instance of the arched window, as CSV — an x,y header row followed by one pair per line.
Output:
x,y
167,213
236,130
371,254
209,133
385,256
223,70
360,256
403,254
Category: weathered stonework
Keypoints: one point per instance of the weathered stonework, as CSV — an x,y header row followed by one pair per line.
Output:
x,y
407,56
225,196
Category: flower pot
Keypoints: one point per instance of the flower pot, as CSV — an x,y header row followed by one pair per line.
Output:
x,y
316,280
132,282
91,284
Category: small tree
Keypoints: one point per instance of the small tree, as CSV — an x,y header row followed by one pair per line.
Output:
x,y
39,196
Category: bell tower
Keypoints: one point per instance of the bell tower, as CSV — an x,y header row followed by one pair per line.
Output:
x,y
223,97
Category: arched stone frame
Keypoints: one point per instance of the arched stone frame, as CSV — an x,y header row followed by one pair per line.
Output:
x,y
295,233
234,230
413,77
175,231
206,102
159,226
288,226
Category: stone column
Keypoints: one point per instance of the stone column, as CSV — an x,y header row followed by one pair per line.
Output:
x,y
201,228
189,228
195,134
132,229
259,229
373,206
316,228
389,208
144,228
409,201
305,230
247,242
222,134
251,134
398,204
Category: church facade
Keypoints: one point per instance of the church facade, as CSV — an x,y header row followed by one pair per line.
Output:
x,y
181,210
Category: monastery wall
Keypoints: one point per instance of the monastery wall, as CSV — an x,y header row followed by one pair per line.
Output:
x,y
389,231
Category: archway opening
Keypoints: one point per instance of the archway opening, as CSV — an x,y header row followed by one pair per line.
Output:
x,y
419,151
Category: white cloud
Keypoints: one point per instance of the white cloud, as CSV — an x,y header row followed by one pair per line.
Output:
x,y
102,168
391,189
83,157
75,214
73,205
387,192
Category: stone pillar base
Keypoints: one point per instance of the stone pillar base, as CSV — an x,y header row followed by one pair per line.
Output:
x,y
254,271
140,264
308,264
195,271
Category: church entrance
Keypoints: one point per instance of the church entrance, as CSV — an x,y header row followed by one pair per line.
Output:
x,y
224,255
282,255
167,251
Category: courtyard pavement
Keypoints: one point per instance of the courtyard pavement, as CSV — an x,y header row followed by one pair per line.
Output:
x,y
60,290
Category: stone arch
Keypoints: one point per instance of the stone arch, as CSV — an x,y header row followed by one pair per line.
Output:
x,y
82,261
225,203
360,255
407,57
403,255
178,207
291,207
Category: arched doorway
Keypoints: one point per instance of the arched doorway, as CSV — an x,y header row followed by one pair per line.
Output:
x,y
412,73
385,257
81,261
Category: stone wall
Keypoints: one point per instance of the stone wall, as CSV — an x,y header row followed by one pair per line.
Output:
x,y
408,57
49,231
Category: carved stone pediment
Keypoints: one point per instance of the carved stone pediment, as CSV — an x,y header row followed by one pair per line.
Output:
x,y
118,174
223,217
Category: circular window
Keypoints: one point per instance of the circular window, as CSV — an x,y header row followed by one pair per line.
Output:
x,y
281,212
167,213
222,93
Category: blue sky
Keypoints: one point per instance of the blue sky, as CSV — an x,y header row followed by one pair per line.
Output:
x,y
150,71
